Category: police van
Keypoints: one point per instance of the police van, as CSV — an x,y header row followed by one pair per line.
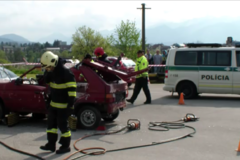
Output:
x,y
203,68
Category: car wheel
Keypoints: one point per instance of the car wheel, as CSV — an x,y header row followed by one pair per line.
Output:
x,y
2,112
112,117
88,117
188,90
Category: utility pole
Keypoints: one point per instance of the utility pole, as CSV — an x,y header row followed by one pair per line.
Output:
x,y
143,26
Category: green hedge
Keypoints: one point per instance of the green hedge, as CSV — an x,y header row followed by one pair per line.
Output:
x,y
21,70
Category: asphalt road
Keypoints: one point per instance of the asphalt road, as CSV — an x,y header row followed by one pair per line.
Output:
x,y
217,136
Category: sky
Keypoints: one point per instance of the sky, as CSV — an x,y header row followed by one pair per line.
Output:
x,y
36,19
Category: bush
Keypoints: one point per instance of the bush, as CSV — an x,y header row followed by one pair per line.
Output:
x,y
21,70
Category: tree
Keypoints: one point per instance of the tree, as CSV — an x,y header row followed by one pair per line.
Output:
x,y
85,40
56,43
2,55
18,55
128,38
46,45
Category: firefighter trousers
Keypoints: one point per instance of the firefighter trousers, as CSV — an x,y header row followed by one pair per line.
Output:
x,y
140,83
58,118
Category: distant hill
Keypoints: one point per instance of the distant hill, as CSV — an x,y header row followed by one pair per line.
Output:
x,y
13,38
5,40
55,36
205,30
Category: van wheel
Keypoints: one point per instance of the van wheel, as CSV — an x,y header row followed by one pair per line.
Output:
x,y
188,89
88,117
112,117
2,112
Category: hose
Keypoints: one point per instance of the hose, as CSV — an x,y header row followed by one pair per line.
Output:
x,y
22,152
162,126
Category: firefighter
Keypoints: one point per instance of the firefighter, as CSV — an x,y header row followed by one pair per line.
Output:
x,y
99,53
87,57
63,92
141,80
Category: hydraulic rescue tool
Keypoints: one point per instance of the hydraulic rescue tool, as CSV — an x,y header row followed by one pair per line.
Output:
x,y
190,117
132,124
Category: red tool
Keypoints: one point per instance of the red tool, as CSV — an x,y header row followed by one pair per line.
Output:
x,y
133,124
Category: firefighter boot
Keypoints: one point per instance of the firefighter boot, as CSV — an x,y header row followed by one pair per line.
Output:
x,y
65,142
51,145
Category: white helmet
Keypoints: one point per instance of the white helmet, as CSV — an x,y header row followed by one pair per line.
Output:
x,y
49,59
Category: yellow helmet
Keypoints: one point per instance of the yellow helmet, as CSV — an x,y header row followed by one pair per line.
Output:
x,y
49,59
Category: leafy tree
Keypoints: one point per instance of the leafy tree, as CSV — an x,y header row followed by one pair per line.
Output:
x,y
18,55
2,55
85,40
46,45
56,43
128,38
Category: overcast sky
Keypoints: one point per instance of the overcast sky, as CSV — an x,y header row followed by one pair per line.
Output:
x,y
36,19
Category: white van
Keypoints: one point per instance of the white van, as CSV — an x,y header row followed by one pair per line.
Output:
x,y
203,68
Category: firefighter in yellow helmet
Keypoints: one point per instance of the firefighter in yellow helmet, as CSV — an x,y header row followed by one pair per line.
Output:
x,y
63,93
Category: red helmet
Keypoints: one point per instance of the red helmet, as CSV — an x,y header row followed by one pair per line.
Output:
x,y
99,51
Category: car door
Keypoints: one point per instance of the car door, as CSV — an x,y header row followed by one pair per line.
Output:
x,y
236,73
215,71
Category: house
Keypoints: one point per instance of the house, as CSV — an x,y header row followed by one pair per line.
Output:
x,y
8,49
53,49
65,48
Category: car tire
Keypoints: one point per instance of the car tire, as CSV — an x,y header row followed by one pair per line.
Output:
x,y
2,111
113,116
188,89
88,117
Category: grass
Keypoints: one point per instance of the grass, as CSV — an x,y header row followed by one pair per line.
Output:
x,y
29,75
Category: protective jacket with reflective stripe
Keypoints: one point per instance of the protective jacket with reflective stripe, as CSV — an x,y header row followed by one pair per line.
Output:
x,y
62,86
142,63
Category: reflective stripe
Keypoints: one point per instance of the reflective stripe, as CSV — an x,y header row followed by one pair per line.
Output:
x,y
53,130
63,85
71,84
83,77
73,93
66,134
58,105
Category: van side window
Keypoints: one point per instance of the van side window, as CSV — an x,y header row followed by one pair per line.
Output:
x,y
186,58
216,58
238,58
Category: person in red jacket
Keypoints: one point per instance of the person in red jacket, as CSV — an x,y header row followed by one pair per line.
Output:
x,y
101,55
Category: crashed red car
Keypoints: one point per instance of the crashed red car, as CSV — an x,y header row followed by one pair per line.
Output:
x,y
101,96
124,64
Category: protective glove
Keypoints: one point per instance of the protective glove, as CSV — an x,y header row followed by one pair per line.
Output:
x,y
70,110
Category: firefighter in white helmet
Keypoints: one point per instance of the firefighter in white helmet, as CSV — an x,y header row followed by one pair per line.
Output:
x,y
63,92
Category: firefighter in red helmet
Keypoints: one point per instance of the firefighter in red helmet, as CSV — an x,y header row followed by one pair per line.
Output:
x,y
101,55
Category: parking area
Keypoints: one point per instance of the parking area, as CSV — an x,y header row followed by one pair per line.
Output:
x,y
217,131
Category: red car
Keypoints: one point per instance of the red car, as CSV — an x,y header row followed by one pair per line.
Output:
x,y
102,95
125,65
